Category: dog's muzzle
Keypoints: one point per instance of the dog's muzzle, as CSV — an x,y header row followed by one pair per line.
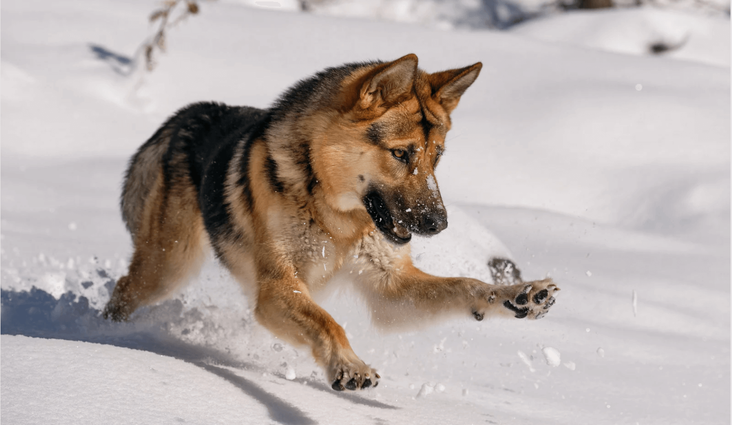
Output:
x,y
427,222
384,220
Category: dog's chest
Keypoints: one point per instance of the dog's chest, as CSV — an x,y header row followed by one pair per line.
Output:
x,y
321,263
315,254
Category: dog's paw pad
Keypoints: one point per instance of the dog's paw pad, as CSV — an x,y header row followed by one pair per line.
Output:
x,y
352,377
351,385
520,312
533,300
541,296
523,297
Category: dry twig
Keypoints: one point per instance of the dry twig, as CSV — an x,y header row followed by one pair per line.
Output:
x,y
167,17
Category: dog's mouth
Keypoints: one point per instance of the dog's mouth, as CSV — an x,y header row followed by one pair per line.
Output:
x,y
384,221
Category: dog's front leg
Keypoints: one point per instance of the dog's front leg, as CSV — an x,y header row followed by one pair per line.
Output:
x,y
403,293
284,306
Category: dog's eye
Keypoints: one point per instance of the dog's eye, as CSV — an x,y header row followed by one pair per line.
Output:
x,y
401,155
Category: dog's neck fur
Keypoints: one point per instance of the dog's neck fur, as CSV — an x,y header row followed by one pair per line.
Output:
x,y
291,137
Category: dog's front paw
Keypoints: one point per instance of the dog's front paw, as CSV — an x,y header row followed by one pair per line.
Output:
x,y
353,376
530,300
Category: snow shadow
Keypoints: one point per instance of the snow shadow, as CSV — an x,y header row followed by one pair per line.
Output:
x,y
36,313
344,395
279,410
498,14
120,64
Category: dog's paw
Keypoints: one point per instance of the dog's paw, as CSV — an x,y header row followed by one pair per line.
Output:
x,y
115,312
531,300
354,376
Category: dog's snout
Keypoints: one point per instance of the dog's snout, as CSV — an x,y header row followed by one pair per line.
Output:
x,y
433,224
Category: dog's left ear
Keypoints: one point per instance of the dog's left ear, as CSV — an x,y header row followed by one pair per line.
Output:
x,y
448,86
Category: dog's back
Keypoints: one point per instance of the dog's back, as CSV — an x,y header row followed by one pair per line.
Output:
x,y
201,135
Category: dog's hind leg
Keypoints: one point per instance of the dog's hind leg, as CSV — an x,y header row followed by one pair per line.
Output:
x,y
170,246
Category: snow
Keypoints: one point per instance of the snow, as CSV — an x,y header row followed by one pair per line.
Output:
x,y
431,184
556,160
477,14
290,374
552,356
527,360
100,383
692,36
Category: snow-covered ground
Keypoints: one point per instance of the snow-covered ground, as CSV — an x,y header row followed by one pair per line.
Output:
x,y
605,167
687,35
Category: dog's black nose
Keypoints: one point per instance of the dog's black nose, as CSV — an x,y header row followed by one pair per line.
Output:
x,y
433,224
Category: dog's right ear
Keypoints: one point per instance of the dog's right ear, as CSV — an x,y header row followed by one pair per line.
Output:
x,y
449,86
388,83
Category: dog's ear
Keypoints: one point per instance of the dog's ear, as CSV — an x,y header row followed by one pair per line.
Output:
x,y
388,82
448,86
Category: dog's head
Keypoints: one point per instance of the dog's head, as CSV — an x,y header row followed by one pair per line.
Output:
x,y
383,144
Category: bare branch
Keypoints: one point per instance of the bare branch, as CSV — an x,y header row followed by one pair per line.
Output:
x,y
162,17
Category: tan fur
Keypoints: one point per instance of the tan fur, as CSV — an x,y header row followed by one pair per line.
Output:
x,y
170,246
289,245
141,179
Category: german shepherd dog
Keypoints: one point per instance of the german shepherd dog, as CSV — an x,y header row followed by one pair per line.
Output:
x,y
338,174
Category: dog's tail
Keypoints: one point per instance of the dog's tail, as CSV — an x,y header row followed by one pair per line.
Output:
x,y
144,169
